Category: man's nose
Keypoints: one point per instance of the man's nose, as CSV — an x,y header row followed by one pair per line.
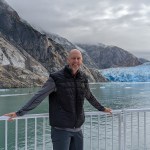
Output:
x,y
76,59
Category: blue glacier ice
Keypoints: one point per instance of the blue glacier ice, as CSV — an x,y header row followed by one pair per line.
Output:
x,y
139,73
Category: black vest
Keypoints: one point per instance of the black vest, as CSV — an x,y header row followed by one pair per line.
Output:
x,y
66,104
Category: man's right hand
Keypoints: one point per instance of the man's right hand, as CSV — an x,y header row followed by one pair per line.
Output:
x,y
11,116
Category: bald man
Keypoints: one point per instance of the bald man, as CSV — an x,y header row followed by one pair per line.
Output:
x,y
66,89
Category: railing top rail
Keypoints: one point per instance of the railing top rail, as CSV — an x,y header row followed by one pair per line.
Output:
x,y
101,113
136,110
45,115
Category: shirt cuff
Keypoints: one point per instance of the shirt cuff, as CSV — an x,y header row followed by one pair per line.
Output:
x,y
20,113
102,108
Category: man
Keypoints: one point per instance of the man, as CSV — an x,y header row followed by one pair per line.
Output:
x,y
66,89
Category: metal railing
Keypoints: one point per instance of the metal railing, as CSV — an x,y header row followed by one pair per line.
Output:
x,y
127,129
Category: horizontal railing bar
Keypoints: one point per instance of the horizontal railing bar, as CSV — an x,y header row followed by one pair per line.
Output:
x,y
45,115
137,110
100,112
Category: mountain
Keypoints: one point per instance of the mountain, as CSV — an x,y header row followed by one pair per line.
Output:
x,y
110,56
18,57
67,45
94,55
39,46
13,77
139,73
142,60
18,68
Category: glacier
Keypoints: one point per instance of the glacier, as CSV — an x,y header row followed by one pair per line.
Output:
x,y
139,73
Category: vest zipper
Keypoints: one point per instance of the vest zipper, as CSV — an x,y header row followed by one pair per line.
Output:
x,y
76,93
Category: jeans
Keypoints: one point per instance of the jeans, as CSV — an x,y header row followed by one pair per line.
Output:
x,y
66,140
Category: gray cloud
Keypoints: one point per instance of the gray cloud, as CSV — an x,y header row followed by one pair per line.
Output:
x,y
122,23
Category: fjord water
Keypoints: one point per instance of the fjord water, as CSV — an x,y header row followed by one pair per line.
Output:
x,y
117,95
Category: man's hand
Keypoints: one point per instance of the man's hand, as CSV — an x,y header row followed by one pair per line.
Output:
x,y
11,115
108,110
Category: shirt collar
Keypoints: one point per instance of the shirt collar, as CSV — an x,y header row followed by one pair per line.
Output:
x,y
68,70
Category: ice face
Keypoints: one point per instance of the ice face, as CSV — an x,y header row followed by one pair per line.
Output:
x,y
139,73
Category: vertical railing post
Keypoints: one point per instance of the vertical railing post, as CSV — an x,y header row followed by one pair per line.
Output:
x,y
6,134
44,126
124,129
131,130
105,131
35,138
16,135
138,130
26,134
145,130
120,132
91,132
112,131
99,132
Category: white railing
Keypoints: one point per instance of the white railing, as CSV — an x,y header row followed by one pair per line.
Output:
x,y
123,130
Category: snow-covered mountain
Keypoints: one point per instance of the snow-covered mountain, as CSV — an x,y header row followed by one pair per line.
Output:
x,y
139,73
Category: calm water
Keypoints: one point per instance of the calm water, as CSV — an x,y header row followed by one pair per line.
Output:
x,y
114,95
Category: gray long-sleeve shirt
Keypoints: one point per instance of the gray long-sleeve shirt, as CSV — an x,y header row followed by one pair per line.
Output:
x,y
47,89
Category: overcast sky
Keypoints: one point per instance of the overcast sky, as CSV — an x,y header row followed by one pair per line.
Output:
x,y
123,23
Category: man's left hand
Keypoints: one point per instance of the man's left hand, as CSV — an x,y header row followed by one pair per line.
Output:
x,y
108,110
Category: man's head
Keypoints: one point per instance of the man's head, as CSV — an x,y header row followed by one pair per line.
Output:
x,y
74,60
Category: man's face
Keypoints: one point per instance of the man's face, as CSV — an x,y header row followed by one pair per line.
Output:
x,y
75,60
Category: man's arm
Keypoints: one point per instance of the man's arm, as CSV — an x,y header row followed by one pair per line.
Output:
x,y
47,88
93,101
